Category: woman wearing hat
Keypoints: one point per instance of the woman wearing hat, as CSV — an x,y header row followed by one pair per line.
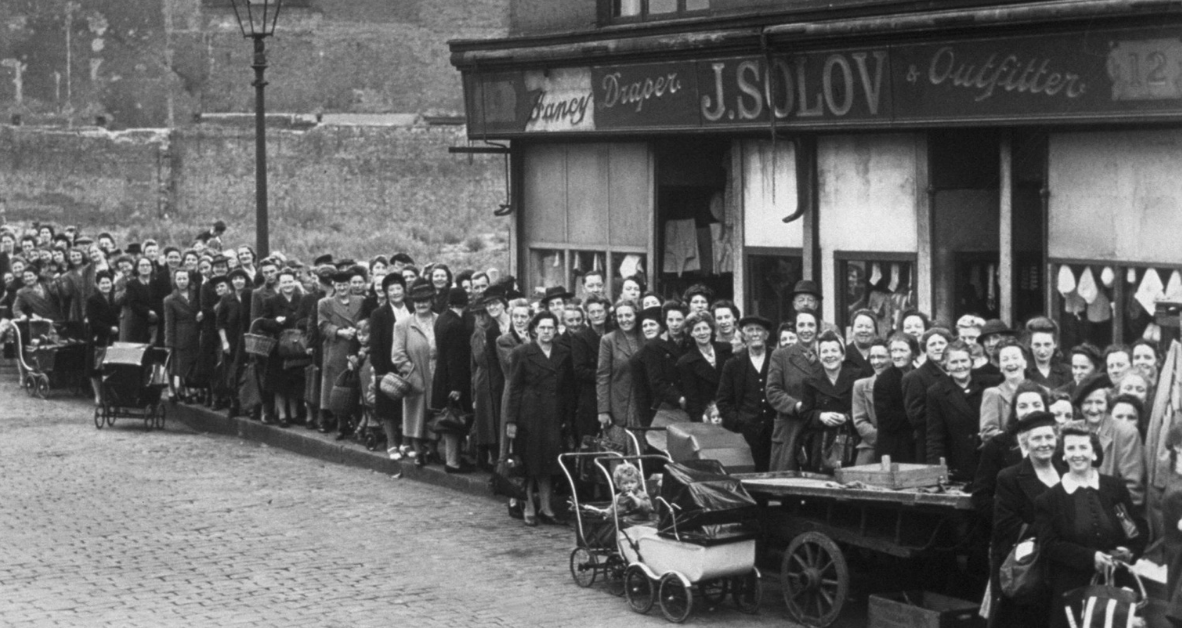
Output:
x,y
1120,443
650,324
414,350
382,333
285,378
487,377
616,405
336,319
539,391
1004,450
1017,489
1086,523
104,320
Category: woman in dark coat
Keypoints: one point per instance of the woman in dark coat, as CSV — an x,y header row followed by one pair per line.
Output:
x,y
181,331
104,320
1017,490
700,367
585,356
916,384
285,378
487,377
383,323
826,402
1003,450
539,391
141,312
952,413
1087,523
894,435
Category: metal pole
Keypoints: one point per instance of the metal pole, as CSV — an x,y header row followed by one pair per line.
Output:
x,y
260,146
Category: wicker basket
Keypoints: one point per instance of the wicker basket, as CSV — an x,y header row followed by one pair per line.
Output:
x,y
258,344
341,400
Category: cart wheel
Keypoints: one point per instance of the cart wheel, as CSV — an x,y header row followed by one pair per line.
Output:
x,y
98,416
583,567
675,599
714,591
815,579
639,589
110,415
747,592
43,386
161,422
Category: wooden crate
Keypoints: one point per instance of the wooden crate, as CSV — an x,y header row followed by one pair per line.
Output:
x,y
893,475
921,609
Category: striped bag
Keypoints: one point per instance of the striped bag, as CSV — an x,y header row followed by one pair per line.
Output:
x,y
1102,604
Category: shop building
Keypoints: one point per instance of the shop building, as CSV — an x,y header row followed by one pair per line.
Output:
x,y
999,158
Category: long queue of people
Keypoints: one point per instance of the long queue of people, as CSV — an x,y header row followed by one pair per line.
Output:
x,y
1068,447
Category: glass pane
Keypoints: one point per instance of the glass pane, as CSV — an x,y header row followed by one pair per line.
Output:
x,y
582,262
547,268
664,6
626,8
696,5
1149,286
769,286
886,288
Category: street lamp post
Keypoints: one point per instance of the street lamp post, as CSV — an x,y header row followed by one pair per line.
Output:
x,y
256,19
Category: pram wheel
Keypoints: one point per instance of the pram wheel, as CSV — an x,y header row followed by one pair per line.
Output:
x,y
110,415
747,592
30,385
714,591
371,442
815,579
675,599
43,386
584,567
639,589
98,416
161,417
148,418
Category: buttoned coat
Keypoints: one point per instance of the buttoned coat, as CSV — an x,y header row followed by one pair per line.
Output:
x,y
699,379
585,357
1123,456
614,376
785,377
181,333
333,315
817,395
662,377
894,436
862,412
916,385
487,379
740,412
539,392
379,351
995,408
1017,490
452,372
952,426
412,349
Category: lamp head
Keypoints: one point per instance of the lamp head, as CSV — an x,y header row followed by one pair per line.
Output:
x,y
257,18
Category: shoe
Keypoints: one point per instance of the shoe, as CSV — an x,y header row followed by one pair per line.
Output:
x,y
324,428
394,453
310,425
515,509
550,520
284,423
531,521
422,460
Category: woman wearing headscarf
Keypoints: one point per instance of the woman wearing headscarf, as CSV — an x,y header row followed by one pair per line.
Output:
x,y
414,350
616,405
336,319
539,391
1086,523
104,319
285,310
383,323
181,333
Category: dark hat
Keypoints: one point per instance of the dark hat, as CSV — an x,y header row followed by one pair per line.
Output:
x,y
1094,382
807,286
392,278
239,272
755,320
458,297
556,292
294,264
650,314
325,271
134,248
220,259
1036,419
345,261
498,292
102,274
218,226
83,241
219,279
421,290
401,258
323,259
359,270
341,276
995,326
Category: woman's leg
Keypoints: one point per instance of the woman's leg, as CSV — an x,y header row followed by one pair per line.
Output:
x,y
544,493
530,512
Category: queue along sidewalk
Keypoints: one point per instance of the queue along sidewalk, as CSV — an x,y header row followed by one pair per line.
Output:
x,y
313,444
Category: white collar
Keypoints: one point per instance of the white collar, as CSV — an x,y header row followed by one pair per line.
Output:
x,y
1069,483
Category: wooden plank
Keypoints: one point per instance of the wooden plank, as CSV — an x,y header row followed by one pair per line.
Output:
x,y
788,526
826,487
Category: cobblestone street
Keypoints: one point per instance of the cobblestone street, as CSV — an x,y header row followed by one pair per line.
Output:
x,y
120,527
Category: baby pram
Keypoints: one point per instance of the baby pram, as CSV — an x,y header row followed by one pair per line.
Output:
x,y
704,542
133,377
48,359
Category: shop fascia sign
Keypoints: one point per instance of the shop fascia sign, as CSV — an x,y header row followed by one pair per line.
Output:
x,y
1093,75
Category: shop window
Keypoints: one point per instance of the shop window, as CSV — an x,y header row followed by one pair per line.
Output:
x,y
640,9
769,280
1106,303
695,239
548,268
885,284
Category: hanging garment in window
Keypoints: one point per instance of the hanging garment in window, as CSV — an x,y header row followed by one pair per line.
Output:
x,y
894,269
680,251
704,246
1174,289
631,265
1087,285
1066,280
1100,309
1107,276
722,242
1150,290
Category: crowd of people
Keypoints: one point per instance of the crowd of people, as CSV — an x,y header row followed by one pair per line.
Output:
x,y
1054,443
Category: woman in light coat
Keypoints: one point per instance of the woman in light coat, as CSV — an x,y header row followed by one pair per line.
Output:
x,y
414,350
336,317
615,402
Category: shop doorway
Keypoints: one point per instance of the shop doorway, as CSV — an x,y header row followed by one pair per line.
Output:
x,y
694,241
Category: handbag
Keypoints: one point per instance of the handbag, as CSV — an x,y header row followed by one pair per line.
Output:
x,y
837,451
450,420
292,344
1102,604
249,396
1022,575
342,397
509,477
